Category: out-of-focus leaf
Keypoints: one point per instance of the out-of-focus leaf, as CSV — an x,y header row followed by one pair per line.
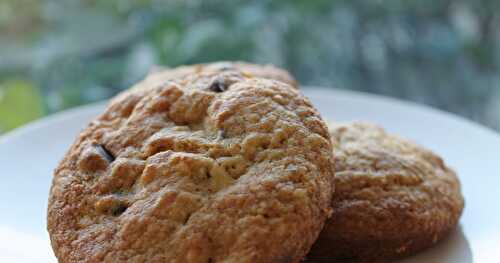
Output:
x,y
20,102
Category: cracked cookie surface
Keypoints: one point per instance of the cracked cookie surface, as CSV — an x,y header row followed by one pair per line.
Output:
x,y
392,197
162,74
210,167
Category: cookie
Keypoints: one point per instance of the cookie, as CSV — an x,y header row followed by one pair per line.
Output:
x,y
212,167
392,197
161,74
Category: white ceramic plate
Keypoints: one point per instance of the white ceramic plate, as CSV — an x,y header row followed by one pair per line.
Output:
x,y
28,156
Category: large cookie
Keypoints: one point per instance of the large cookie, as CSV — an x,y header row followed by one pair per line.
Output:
x,y
392,197
161,74
215,167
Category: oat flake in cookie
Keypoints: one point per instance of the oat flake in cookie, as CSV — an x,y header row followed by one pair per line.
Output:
x,y
215,167
392,197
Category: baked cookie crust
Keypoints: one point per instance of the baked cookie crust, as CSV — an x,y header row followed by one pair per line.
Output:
x,y
217,166
392,198
162,74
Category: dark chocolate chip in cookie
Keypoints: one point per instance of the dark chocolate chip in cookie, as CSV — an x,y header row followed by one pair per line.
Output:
x,y
105,153
219,84
118,209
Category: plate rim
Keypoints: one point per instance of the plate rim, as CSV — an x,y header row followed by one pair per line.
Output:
x,y
307,90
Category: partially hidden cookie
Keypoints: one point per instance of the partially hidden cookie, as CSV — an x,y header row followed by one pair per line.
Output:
x,y
212,167
392,197
161,74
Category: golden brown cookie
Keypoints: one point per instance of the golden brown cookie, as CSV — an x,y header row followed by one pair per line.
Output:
x,y
212,167
161,74
392,197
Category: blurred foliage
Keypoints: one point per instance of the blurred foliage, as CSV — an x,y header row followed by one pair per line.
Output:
x,y
20,102
443,53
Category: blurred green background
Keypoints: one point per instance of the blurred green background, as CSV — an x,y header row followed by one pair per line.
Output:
x,y
59,54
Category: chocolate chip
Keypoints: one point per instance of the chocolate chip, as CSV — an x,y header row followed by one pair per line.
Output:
x,y
105,153
218,85
118,209
187,218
